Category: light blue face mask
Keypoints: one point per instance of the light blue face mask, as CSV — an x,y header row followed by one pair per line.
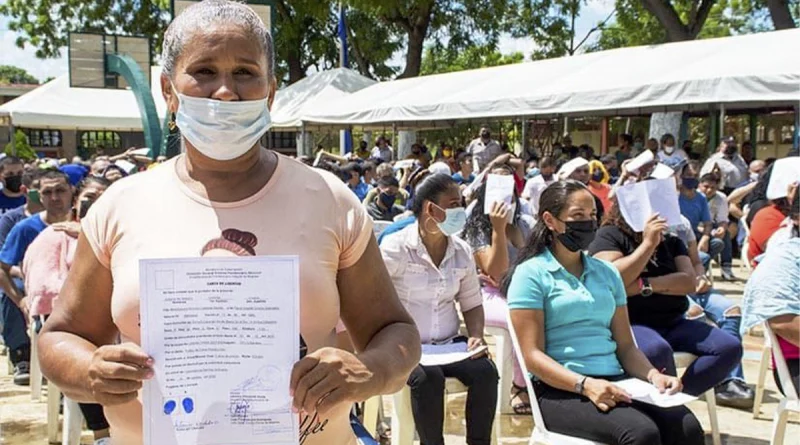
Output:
x,y
454,221
222,130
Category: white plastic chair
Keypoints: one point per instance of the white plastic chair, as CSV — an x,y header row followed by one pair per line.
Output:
x,y
684,360
35,370
746,266
790,401
372,408
505,367
403,427
73,419
540,435
762,375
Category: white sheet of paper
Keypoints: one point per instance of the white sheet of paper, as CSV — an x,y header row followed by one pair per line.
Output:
x,y
638,162
224,334
647,393
662,172
434,355
639,201
499,188
785,172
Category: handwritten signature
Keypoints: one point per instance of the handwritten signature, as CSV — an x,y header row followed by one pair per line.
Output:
x,y
239,409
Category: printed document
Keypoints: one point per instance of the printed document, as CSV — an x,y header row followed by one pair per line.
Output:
x,y
224,335
435,355
639,201
647,393
499,188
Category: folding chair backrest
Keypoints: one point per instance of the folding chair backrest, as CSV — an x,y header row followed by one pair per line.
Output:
x,y
780,363
537,413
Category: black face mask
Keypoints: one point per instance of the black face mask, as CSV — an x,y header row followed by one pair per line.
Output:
x,y
13,183
579,234
85,204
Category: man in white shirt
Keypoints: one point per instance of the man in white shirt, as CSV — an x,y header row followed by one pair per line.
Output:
x,y
732,167
536,185
668,152
718,206
382,150
484,149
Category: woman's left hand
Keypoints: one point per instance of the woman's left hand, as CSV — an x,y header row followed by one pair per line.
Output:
x,y
666,383
328,377
474,343
71,228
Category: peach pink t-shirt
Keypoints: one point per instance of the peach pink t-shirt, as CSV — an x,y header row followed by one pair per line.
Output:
x,y
45,268
300,211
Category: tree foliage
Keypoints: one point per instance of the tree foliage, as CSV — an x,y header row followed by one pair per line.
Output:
x,y
635,25
436,61
24,150
15,75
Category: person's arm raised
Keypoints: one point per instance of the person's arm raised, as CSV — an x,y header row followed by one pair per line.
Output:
x,y
632,266
76,346
382,332
493,259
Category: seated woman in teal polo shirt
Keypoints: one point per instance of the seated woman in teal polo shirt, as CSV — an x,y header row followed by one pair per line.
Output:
x,y
569,312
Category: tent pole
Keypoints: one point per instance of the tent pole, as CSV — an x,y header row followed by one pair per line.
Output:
x,y
796,138
628,126
566,126
525,137
604,136
13,136
721,123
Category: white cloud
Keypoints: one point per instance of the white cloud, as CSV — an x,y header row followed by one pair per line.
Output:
x,y
600,7
508,44
11,54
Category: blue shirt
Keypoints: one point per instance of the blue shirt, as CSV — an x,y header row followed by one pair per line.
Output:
x,y
7,203
75,172
695,210
361,189
396,227
460,179
20,237
9,220
577,312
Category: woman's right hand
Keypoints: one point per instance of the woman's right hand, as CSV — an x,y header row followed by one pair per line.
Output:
x,y
498,216
117,371
604,394
654,230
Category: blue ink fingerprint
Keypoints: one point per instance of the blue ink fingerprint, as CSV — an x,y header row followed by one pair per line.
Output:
x,y
188,405
169,407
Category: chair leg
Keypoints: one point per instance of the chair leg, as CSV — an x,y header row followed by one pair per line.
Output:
x,y
505,368
73,423
403,419
711,400
371,408
762,376
53,407
779,424
36,370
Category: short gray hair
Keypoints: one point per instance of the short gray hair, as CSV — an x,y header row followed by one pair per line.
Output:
x,y
207,14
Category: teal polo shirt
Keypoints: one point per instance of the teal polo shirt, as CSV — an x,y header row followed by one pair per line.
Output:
x,y
577,312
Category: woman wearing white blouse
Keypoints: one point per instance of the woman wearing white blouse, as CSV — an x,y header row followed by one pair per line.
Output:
x,y
432,270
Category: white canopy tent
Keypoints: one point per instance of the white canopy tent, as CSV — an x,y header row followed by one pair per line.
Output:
x,y
55,105
303,97
744,72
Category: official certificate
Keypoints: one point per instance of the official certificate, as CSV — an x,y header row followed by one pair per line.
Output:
x,y
224,334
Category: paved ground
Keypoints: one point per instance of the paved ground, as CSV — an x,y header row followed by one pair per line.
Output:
x,y
23,422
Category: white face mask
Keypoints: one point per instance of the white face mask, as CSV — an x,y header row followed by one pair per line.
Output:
x,y
222,130
454,221
668,149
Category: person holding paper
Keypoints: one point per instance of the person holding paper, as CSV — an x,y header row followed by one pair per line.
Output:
x,y
570,316
219,81
658,275
495,239
433,270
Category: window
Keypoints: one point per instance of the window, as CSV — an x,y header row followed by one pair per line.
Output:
x,y
281,140
92,140
43,138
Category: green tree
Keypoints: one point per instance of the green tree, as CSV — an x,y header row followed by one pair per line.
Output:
x,y
23,148
16,75
451,25
436,61
45,24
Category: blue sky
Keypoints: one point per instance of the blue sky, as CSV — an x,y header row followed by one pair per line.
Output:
x,y
594,12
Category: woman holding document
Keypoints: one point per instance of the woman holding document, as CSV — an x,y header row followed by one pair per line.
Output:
x,y
432,270
227,193
658,275
570,314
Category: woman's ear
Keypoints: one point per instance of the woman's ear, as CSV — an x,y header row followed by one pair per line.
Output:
x,y
550,222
